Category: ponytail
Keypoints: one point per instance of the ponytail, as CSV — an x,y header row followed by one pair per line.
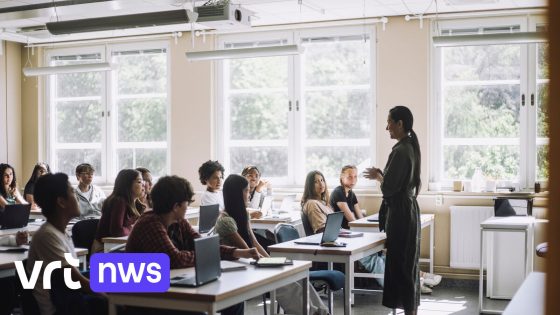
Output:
x,y
417,161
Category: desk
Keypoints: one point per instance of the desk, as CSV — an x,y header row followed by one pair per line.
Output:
x,y
110,242
356,248
516,224
233,287
529,299
30,228
36,214
270,222
426,220
7,266
192,213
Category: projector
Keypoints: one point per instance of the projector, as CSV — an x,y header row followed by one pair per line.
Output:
x,y
226,16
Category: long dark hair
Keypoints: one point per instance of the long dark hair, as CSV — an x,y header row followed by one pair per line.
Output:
x,y
235,204
13,184
35,176
405,115
123,189
309,188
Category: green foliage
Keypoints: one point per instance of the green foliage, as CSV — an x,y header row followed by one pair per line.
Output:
x,y
492,62
255,73
329,160
141,74
496,162
68,159
153,159
271,161
78,122
142,120
259,116
543,165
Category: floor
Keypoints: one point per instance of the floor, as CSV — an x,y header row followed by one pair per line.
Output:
x,y
457,297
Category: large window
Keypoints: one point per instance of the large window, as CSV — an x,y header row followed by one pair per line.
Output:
x,y
490,105
290,115
112,120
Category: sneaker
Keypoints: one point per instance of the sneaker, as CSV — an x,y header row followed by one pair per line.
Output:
x,y
425,290
431,279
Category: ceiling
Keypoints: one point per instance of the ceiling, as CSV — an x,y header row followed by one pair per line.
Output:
x,y
24,21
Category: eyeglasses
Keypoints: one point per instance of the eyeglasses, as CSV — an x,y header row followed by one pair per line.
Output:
x,y
86,173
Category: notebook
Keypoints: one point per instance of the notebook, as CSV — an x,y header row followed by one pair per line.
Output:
x,y
206,263
272,262
15,216
373,218
329,235
207,217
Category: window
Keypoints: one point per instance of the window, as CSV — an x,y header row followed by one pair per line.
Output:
x,y
290,115
112,120
490,102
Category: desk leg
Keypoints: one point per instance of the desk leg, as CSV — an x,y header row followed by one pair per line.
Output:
x,y
112,308
272,302
305,296
331,293
432,246
348,285
481,277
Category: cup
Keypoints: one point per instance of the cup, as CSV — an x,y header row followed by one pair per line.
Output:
x,y
467,186
457,185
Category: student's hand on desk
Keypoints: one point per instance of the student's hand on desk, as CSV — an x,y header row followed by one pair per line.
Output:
x,y
247,253
22,237
255,214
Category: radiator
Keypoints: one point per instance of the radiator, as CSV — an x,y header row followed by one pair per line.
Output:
x,y
464,243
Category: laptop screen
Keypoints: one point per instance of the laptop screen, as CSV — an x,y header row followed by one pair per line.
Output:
x,y
332,227
15,216
208,216
207,259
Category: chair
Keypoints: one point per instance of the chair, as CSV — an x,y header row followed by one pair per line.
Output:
x,y
83,234
331,280
306,224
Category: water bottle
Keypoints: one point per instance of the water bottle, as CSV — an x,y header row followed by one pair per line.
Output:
x,y
478,182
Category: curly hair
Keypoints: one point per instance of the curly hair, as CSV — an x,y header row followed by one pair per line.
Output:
x,y
207,169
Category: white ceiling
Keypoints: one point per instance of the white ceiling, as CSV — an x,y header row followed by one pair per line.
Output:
x,y
266,12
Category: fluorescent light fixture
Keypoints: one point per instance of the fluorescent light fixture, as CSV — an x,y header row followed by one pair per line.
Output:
x,y
244,52
86,67
490,39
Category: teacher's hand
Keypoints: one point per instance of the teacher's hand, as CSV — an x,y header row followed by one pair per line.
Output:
x,y
373,173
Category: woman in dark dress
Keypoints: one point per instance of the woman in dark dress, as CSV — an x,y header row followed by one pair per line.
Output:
x,y
399,215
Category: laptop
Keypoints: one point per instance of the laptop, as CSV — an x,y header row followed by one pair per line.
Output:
x,y
15,216
266,206
207,217
206,263
329,235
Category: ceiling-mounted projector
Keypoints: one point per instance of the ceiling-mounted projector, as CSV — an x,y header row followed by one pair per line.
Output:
x,y
226,16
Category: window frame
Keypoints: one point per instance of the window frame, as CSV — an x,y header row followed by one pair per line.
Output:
x,y
109,124
527,86
296,119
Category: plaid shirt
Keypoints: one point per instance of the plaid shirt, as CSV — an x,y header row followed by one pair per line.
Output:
x,y
149,235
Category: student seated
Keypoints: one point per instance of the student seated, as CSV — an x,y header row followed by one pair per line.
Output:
x,y
9,193
234,228
211,174
90,197
39,170
258,188
146,199
171,196
121,209
54,194
343,198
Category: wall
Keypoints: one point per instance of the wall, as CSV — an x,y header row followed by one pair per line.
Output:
x,y
10,109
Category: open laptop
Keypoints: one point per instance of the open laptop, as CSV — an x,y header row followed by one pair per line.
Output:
x,y
15,216
206,263
329,235
207,217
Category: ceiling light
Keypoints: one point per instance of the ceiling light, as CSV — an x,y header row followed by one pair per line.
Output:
x,y
118,22
244,52
490,39
86,67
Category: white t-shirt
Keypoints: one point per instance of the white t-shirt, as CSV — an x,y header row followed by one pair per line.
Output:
x,y
212,198
49,244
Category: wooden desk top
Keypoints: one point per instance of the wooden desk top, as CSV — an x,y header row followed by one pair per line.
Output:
x,y
289,217
353,245
7,258
115,240
363,222
30,228
231,283
530,298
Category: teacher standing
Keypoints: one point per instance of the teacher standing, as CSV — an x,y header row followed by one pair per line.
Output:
x,y
399,214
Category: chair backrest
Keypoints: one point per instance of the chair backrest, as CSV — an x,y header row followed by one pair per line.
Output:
x,y
285,232
306,224
83,233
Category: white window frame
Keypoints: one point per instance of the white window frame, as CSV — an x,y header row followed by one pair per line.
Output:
x,y
108,102
527,128
296,122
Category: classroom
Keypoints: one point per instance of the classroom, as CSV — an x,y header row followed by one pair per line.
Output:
x,y
440,107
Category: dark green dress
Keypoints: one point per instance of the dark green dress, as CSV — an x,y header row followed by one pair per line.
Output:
x,y
402,225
